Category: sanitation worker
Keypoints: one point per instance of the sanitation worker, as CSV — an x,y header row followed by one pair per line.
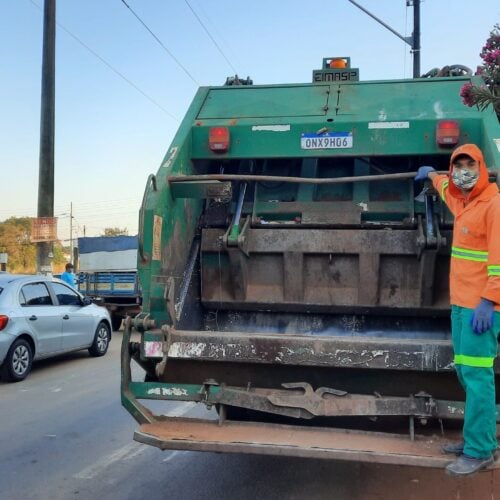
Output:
x,y
68,276
475,299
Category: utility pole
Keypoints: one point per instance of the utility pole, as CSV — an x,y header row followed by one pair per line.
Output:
x,y
71,229
47,127
413,41
415,48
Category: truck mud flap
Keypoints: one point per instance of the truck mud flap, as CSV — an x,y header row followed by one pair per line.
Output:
x,y
295,441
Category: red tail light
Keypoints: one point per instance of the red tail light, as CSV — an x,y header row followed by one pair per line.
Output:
x,y
218,139
447,132
3,321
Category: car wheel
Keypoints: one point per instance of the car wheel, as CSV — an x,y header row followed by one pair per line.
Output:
x,y
101,340
18,361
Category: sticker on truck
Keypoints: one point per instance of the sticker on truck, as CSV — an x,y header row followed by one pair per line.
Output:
x,y
157,223
389,125
330,140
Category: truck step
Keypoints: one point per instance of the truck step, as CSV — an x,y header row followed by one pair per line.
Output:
x,y
287,440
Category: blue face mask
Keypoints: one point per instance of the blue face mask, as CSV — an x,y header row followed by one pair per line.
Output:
x,y
464,178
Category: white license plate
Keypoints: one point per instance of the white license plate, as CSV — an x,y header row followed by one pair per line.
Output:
x,y
337,140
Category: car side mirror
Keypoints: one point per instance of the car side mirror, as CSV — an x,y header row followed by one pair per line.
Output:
x,y
86,301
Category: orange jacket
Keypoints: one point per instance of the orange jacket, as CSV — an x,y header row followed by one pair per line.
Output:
x,y
475,254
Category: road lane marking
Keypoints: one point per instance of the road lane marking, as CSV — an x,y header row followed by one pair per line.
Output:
x,y
130,450
181,410
140,449
108,460
172,455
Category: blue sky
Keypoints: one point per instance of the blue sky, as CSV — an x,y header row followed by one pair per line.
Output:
x,y
110,137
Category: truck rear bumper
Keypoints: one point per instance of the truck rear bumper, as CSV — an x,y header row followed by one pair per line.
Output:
x,y
296,441
308,350
266,438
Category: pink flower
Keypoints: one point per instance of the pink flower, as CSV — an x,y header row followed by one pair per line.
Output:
x,y
466,94
487,93
492,57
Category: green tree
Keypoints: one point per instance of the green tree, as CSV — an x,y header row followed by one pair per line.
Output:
x,y
15,241
115,231
58,252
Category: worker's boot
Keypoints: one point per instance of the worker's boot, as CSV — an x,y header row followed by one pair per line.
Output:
x,y
464,465
454,448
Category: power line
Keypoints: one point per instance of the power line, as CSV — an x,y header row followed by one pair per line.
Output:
x,y
161,43
210,36
97,213
112,68
215,30
84,205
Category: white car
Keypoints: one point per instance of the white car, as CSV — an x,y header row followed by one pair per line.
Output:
x,y
40,317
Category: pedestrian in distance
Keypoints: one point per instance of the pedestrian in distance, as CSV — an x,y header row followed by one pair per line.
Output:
x,y
475,299
68,276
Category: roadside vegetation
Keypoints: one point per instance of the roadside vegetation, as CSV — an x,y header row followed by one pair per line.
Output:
x,y
15,241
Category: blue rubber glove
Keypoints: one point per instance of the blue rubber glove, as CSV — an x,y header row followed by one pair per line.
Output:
x,y
423,172
482,319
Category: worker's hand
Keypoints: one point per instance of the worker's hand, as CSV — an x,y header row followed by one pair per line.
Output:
x,y
423,172
482,319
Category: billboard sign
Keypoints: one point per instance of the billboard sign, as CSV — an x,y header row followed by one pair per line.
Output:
x,y
43,229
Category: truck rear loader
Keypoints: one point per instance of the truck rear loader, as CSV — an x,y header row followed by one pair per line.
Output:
x,y
295,277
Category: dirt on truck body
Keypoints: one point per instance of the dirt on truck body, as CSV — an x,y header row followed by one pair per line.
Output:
x,y
294,275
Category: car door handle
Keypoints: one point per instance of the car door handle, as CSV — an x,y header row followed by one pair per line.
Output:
x,y
33,317
65,316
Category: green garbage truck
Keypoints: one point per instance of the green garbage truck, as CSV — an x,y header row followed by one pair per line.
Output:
x,y
295,277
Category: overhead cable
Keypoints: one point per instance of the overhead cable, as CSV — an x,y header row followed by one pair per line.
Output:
x,y
85,206
93,52
210,36
161,43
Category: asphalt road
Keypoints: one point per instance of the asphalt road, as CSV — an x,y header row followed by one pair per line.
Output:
x,y
64,435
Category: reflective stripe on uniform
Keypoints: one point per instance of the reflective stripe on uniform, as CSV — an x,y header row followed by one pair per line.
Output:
x,y
475,361
493,270
445,186
467,254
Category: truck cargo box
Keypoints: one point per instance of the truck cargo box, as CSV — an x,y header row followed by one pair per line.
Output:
x,y
108,274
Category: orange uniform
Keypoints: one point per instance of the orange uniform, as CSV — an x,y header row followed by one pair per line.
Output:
x,y
475,255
